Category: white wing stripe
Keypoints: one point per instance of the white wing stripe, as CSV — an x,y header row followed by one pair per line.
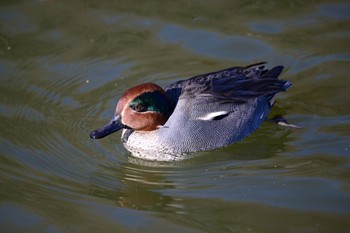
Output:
x,y
212,115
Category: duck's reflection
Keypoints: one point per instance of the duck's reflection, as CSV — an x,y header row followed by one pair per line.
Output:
x,y
138,184
152,185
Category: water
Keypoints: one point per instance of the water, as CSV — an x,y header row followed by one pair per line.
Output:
x,y
63,65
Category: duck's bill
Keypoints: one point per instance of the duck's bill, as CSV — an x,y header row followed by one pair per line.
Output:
x,y
111,127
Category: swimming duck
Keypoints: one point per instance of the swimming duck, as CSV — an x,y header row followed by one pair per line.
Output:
x,y
201,113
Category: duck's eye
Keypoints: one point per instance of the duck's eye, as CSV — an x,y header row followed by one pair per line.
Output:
x,y
138,108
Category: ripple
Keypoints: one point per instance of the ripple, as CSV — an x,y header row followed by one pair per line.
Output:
x,y
21,111
16,21
314,61
216,45
335,10
276,27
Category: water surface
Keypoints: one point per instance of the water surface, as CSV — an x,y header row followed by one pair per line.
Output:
x,y
63,65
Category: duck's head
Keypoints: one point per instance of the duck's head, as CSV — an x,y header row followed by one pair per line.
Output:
x,y
142,108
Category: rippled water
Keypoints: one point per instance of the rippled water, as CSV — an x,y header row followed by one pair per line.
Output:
x,y
63,65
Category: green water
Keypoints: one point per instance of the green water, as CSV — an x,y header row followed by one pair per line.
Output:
x,y
63,65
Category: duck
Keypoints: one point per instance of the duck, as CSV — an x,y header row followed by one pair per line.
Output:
x,y
201,113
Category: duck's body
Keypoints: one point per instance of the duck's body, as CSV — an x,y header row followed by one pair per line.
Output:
x,y
201,113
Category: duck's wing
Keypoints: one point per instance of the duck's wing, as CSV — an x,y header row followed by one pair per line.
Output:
x,y
220,108
232,84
